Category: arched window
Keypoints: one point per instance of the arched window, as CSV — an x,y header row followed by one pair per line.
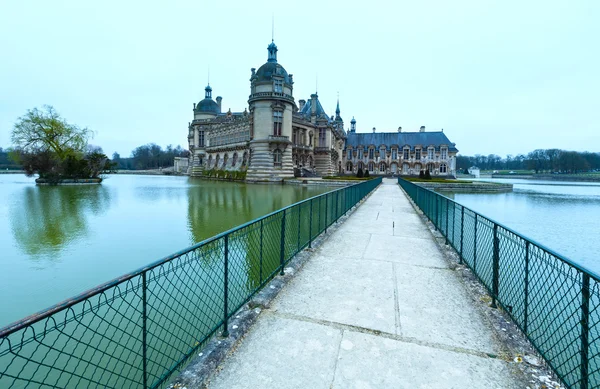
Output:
x,y
225,158
245,159
443,168
349,166
277,158
235,157
417,167
217,161
209,161
361,166
382,167
371,166
405,168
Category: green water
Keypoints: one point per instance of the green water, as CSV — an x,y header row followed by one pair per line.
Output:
x,y
57,242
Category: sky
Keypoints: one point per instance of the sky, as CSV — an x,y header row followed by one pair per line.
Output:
x,y
500,77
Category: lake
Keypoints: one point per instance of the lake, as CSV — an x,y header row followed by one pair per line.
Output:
x,y
563,216
56,242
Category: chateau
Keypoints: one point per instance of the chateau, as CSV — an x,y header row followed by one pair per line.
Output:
x,y
274,139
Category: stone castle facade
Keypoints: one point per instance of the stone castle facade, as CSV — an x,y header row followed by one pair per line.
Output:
x,y
274,139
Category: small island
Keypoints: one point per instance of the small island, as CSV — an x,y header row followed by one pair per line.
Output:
x,y
57,151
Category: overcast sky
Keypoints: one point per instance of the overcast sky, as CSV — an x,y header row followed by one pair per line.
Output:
x,y
501,77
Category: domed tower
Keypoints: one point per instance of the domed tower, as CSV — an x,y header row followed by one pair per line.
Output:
x,y
206,110
271,106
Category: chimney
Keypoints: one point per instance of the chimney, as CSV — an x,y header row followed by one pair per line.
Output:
x,y
301,102
219,99
194,105
373,130
399,129
422,129
313,104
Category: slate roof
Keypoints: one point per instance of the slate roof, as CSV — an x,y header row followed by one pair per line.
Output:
x,y
401,139
306,110
207,105
266,72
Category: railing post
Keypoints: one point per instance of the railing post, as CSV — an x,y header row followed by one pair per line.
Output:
x,y
282,248
475,246
453,240
447,215
526,308
495,267
462,229
310,226
299,214
319,217
585,329
260,272
326,210
436,213
337,204
144,331
226,288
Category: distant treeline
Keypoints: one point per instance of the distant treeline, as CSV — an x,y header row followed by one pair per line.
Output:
x,y
540,161
6,162
150,156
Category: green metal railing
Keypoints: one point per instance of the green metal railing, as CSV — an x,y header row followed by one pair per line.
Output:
x,y
553,300
138,330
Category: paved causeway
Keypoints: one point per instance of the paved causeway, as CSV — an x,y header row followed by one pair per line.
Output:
x,y
375,307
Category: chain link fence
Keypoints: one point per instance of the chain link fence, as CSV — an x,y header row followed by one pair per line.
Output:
x,y
138,330
553,300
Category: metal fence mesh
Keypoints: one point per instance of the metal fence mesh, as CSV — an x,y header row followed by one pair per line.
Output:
x,y
553,300
138,330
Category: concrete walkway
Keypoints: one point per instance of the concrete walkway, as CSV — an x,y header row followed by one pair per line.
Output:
x,y
375,307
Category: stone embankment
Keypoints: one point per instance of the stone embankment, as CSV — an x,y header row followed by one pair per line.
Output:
x,y
378,304
474,187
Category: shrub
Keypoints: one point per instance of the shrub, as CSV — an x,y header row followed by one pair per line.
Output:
x,y
421,174
367,173
427,175
359,173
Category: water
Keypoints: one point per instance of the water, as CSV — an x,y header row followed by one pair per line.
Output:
x,y
561,216
56,242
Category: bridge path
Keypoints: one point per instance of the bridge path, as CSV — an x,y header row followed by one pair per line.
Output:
x,y
376,306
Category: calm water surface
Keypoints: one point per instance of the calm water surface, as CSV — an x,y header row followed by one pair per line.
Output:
x,y
563,216
56,242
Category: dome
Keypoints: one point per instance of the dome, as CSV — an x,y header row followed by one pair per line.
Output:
x,y
207,105
353,121
266,72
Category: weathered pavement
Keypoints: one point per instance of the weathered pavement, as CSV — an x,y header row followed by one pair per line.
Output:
x,y
376,306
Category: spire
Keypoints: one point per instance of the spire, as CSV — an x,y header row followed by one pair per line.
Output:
x,y
208,92
338,118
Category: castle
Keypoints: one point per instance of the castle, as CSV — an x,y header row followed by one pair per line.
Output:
x,y
274,139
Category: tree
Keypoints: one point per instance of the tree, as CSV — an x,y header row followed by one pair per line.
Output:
x,y
359,173
44,130
427,175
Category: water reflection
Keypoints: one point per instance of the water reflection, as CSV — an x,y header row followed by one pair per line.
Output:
x,y
49,218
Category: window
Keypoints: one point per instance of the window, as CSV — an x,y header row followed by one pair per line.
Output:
x,y
371,152
430,167
201,138
406,153
278,86
418,154
430,152
444,152
349,154
349,166
209,161
217,161
277,122
235,157
200,160
322,137
443,168
225,158
382,153
371,166
382,167
294,137
394,154
277,158
244,159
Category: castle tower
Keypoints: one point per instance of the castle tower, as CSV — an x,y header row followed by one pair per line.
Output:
x,y
205,109
271,106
